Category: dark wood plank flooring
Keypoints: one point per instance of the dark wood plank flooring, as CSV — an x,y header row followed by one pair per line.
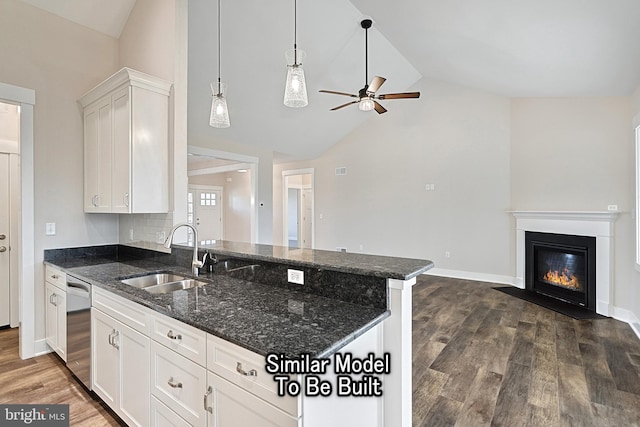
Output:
x,y
480,358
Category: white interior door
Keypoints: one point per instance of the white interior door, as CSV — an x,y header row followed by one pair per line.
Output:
x,y
207,212
4,241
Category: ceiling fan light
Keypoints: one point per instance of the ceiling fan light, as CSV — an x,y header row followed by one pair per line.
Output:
x,y
366,104
295,91
219,117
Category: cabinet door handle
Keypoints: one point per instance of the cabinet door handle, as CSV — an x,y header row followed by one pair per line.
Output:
x,y
112,339
94,200
51,299
54,299
3,236
173,336
173,384
3,248
251,373
206,397
125,199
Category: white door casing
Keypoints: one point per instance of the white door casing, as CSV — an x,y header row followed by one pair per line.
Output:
x,y
24,241
5,240
302,179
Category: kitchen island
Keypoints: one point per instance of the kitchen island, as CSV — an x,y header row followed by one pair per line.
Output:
x,y
346,300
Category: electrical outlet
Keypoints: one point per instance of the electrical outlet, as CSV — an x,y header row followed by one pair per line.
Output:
x,y
160,237
430,187
295,276
131,234
612,207
447,254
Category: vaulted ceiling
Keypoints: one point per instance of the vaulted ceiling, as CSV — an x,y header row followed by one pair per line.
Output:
x,y
529,48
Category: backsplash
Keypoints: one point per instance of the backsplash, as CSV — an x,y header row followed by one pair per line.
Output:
x,y
145,229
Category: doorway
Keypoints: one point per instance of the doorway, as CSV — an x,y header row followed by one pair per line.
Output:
x,y
9,212
221,195
204,211
298,208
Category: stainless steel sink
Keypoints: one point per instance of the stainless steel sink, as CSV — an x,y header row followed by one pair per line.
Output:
x,y
174,286
153,279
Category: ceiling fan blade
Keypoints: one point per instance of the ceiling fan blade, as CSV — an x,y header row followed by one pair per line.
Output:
x,y
338,93
344,105
379,108
399,95
375,84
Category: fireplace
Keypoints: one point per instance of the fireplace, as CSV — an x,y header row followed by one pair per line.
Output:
x,y
561,266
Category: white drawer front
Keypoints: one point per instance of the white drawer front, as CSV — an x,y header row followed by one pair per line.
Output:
x,y
162,416
56,277
180,337
131,314
227,359
178,383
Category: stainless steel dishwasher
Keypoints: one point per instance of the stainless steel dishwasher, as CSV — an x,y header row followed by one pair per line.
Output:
x,y
79,329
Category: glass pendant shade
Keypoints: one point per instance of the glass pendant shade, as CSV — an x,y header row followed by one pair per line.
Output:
x,y
366,104
295,91
219,113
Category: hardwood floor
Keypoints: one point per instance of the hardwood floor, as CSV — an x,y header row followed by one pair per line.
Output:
x,y
481,357
45,380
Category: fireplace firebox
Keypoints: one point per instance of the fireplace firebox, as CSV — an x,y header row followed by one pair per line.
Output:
x,y
561,266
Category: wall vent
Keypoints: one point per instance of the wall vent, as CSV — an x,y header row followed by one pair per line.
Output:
x,y
341,171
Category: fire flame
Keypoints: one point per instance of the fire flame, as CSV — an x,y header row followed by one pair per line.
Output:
x,y
563,279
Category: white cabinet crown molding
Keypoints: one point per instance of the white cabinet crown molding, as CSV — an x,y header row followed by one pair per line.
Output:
x,y
125,76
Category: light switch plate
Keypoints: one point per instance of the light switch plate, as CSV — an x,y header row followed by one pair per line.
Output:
x,y
50,229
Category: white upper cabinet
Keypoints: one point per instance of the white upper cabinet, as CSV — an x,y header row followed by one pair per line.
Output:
x,y
126,144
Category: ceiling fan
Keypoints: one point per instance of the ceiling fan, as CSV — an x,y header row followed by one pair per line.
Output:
x,y
367,95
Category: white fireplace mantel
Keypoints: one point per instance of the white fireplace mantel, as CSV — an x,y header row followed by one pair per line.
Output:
x,y
596,224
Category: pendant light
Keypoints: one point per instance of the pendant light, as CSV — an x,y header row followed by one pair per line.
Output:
x,y
295,91
219,117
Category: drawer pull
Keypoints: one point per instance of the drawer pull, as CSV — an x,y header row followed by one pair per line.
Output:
x,y
251,373
174,385
173,336
54,276
206,398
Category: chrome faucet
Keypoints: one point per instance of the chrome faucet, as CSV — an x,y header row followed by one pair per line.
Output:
x,y
195,263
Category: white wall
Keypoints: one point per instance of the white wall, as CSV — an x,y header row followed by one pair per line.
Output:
x,y
577,154
152,42
60,60
454,137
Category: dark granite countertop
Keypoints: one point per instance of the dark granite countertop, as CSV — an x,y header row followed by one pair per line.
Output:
x,y
259,313
261,318
347,262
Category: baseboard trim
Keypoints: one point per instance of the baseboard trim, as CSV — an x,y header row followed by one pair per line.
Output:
x,y
617,313
470,275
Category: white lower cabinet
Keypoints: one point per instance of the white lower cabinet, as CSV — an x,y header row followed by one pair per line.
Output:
x,y
120,368
56,319
179,383
231,406
162,416
153,370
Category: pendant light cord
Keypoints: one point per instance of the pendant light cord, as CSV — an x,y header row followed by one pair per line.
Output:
x,y
295,32
219,47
